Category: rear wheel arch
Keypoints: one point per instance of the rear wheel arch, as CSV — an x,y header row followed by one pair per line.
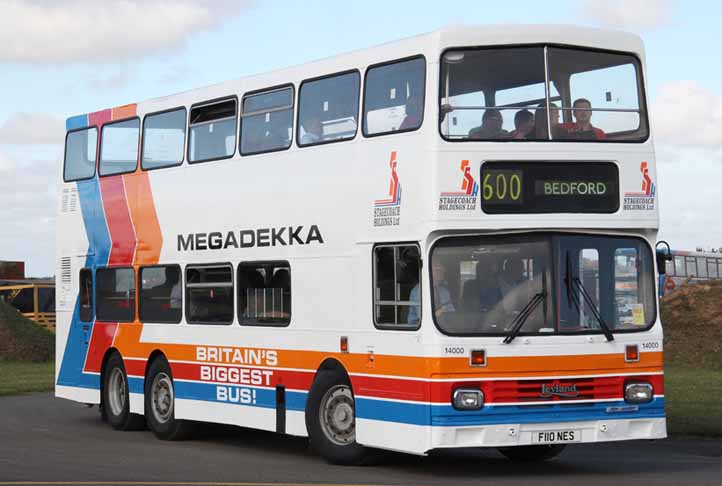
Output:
x,y
332,365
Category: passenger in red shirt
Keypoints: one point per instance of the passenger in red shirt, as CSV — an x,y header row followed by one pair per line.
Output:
x,y
583,129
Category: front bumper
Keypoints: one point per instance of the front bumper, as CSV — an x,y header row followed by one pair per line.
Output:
x,y
507,435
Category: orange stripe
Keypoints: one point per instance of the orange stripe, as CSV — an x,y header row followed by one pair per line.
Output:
x,y
418,367
125,111
145,218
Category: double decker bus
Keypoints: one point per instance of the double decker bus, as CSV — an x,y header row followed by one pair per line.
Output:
x,y
685,267
440,242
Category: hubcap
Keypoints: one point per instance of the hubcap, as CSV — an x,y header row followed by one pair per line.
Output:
x,y
337,415
162,397
116,391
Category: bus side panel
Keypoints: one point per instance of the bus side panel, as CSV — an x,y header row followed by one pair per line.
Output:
x,y
73,336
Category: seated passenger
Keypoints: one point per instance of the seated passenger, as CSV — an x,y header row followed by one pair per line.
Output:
x,y
490,129
312,130
441,296
583,129
523,124
482,294
540,122
414,112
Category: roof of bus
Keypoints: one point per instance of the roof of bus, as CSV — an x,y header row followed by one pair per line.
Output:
x,y
429,43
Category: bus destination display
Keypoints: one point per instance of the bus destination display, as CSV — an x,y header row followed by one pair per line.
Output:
x,y
549,187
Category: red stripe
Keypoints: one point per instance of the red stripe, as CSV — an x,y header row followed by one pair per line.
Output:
x,y
296,380
100,340
117,217
99,117
135,367
498,391
495,391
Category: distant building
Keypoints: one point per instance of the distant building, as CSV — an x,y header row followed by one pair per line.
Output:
x,y
12,270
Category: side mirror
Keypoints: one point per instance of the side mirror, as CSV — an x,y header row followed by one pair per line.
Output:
x,y
663,257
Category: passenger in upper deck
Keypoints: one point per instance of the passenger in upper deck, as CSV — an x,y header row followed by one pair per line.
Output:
x,y
540,122
413,113
583,128
490,129
523,124
312,130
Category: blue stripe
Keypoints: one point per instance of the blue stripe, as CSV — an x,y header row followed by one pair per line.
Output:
x,y
80,121
446,415
135,384
96,230
414,413
255,397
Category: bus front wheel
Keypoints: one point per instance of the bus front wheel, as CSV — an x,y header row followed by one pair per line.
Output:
x,y
116,397
160,403
331,419
532,453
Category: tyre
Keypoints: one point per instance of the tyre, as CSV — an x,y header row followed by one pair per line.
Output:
x,y
160,403
532,453
115,406
331,419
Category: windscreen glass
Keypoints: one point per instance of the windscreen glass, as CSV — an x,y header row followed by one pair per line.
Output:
x,y
553,283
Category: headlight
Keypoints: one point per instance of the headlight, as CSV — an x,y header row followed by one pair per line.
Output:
x,y
638,392
468,399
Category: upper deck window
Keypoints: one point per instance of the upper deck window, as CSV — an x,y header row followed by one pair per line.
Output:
x,y
212,131
394,96
119,147
164,137
328,109
80,148
267,121
541,93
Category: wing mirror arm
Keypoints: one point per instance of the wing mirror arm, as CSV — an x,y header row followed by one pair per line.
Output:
x,y
663,256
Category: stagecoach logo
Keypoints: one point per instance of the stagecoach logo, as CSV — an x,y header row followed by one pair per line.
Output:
x,y
557,390
644,199
387,212
462,200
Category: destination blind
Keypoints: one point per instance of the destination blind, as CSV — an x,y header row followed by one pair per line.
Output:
x,y
549,187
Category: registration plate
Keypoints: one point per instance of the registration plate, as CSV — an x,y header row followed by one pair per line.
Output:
x,y
556,436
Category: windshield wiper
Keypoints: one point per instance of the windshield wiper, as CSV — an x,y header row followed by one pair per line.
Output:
x,y
521,318
572,297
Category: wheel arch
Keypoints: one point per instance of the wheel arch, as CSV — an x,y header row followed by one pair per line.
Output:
x,y
154,355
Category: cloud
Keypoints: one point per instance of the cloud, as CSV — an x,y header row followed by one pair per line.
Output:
x,y
7,165
685,113
28,196
111,83
627,14
177,73
32,128
689,199
63,31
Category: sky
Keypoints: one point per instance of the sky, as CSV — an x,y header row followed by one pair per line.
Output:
x,y
68,57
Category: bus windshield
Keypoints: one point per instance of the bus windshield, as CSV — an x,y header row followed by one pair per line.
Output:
x,y
541,93
583,284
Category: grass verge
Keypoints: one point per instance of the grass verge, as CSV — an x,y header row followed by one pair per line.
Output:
x,y
26,377
692,398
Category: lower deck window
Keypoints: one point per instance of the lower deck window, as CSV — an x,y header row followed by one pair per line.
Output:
x,y
264,293
209,294
397,289
161,295
115,294
86,295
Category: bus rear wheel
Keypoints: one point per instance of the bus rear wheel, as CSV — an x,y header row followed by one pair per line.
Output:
x,y
116,397
331,420
160,403
536,453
